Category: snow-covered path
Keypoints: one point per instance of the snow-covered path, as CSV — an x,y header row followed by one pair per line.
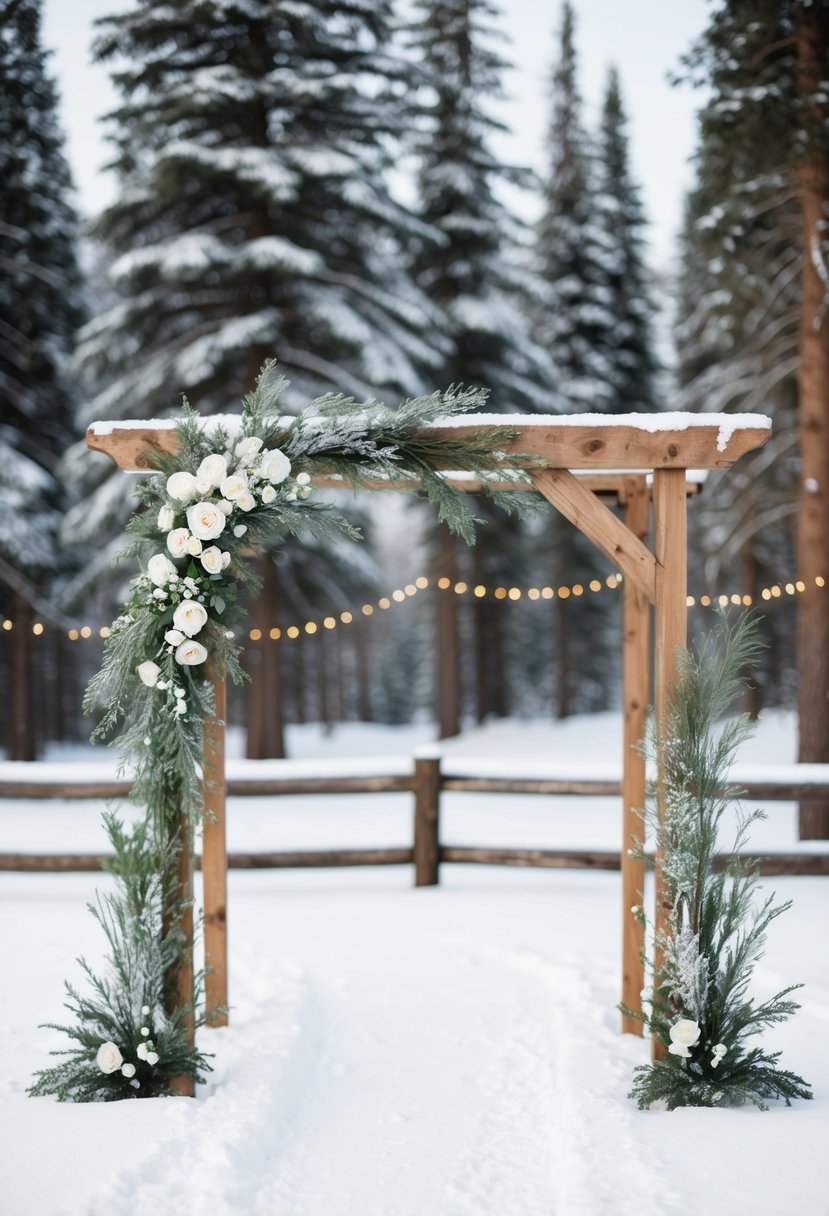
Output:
x,y
444,1052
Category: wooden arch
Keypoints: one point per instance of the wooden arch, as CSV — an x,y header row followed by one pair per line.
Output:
x,y
623,453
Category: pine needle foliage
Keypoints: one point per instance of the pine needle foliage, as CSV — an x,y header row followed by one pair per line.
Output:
x,y
702,1010
253,477
140,920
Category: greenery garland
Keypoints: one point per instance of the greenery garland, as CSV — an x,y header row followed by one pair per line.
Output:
x,y
702,1012
221,494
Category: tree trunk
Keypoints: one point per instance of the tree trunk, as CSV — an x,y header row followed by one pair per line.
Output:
x,y
813,425
563,708
748,563
364,708
266,729
449,674
21,722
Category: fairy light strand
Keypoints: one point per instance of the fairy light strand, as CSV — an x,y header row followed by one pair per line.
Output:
x,y
461,588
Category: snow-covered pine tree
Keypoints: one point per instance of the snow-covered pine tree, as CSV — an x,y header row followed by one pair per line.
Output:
x,y
571,245
253,218
760,214
41,305
630,350
475,274
577,326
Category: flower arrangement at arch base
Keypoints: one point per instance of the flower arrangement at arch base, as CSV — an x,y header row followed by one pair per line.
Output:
x,y
702,1011
231,487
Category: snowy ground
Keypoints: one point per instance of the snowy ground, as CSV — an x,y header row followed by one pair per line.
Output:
x,y
442,1052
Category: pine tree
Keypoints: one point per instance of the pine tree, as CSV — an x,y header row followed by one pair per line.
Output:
x,y
40,307
474,275
40,296
253,218
631,359
572,253
765,139
575,258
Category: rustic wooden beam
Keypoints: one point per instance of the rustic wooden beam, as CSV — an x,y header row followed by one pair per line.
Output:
x,y
542,859
181,991
214,858
598,523
671,628
591,441
635,700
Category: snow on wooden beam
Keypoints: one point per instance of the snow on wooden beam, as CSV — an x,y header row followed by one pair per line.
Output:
x,y
576,441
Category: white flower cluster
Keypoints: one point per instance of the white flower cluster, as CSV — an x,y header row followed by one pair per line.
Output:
x,y
109,1058
223,485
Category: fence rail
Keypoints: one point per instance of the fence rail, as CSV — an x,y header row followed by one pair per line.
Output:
x,y
428,782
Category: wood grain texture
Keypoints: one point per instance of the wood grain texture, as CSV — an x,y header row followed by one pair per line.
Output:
x,y
636,615
214,859
601,526
561,445
671,628
427,822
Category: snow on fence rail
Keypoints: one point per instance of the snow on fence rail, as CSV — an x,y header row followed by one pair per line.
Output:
x,y
431,776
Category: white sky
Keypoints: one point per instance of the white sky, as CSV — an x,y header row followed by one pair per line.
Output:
x,y
644,40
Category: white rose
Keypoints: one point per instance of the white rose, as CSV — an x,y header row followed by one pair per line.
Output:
x,y
275,466
128,1070
194,546
152,1057
212,559
182,487
213,469
205,520
109,1058
224,506
225,560
246,448
189,654
303,479
239,530
246,502
268,494
233,486
684,1034
175,637
177,541
166,519
159,568
203,486
190,616
148,673
141,1051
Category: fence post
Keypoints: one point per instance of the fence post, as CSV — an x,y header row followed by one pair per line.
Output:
x,y
427,819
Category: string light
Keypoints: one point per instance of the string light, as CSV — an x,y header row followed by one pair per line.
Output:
x,y
478,590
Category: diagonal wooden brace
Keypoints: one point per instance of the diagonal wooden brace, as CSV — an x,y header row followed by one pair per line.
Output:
x,y
590,515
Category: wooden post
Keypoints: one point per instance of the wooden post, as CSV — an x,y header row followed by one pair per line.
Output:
x,y
180,992
671,624
427,821
636,687
214,859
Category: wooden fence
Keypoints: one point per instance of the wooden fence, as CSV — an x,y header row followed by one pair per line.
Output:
x,y
428,781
